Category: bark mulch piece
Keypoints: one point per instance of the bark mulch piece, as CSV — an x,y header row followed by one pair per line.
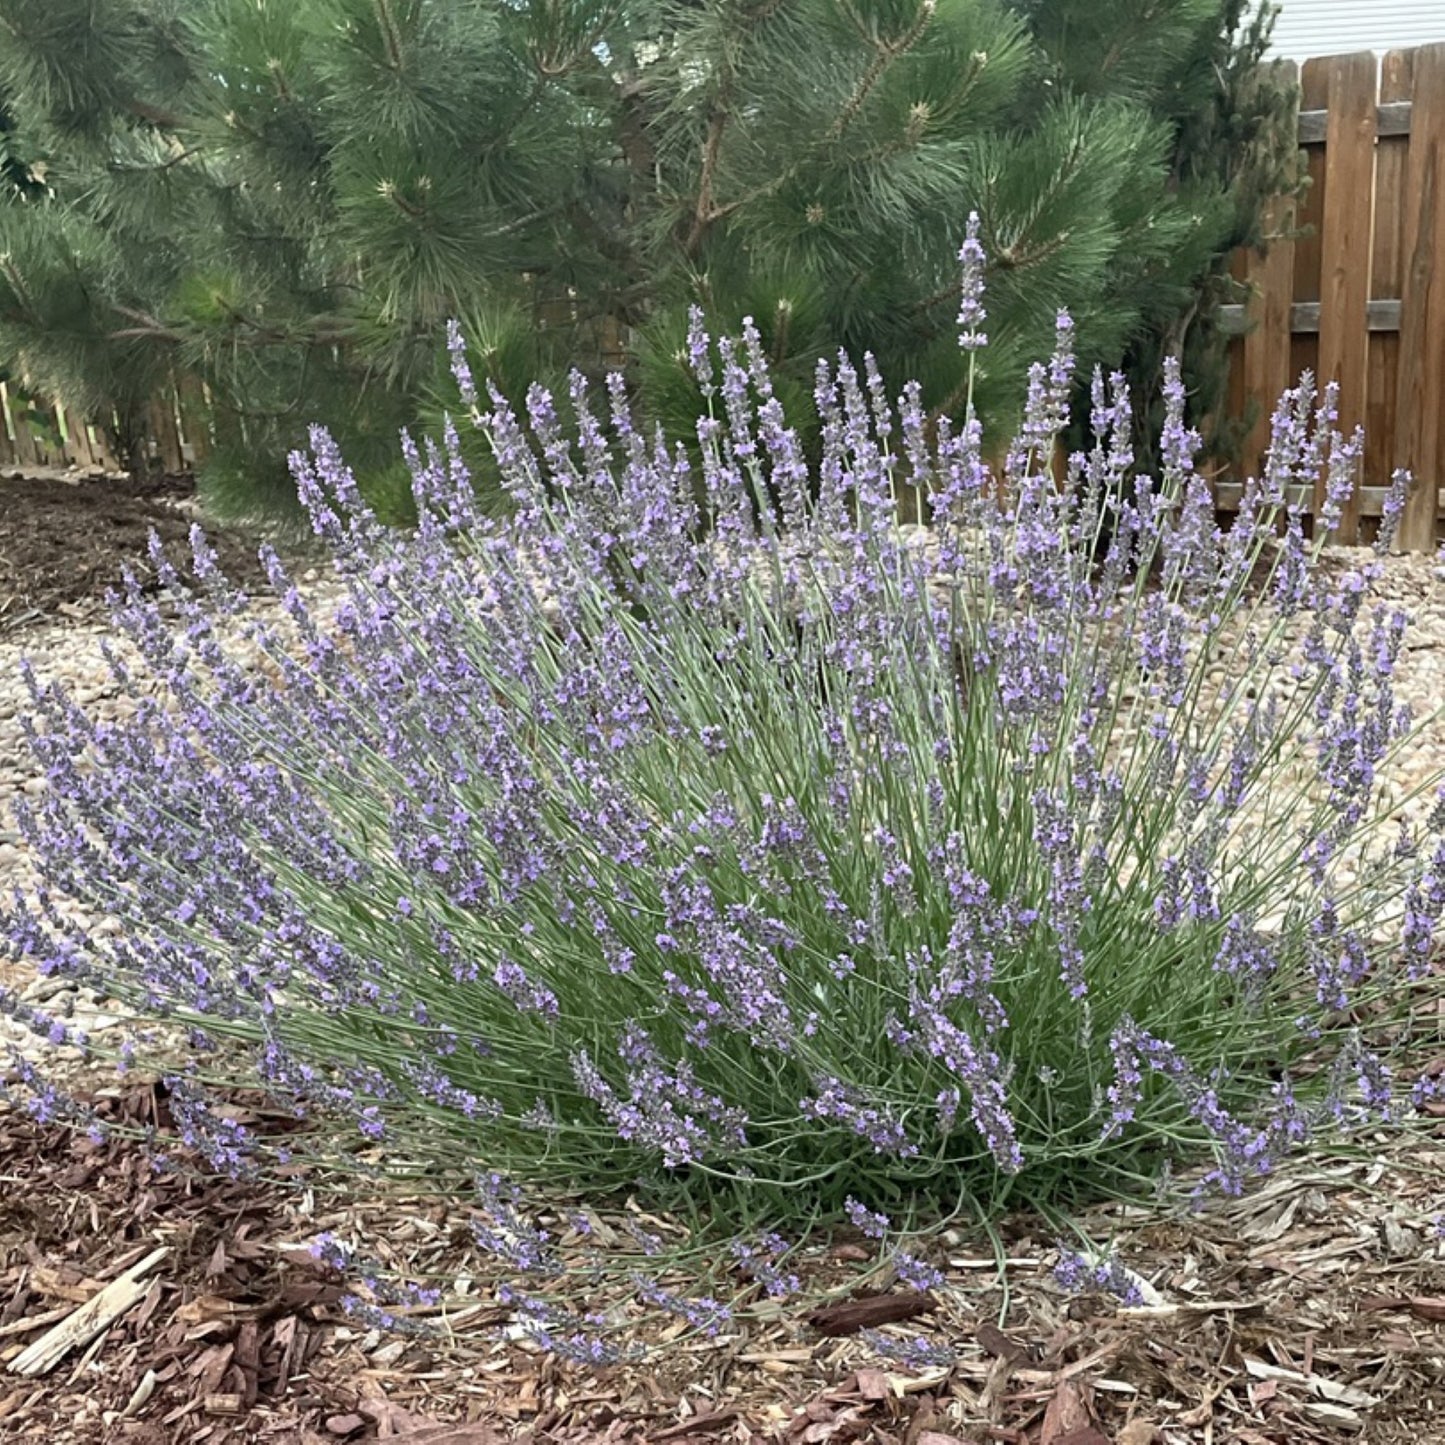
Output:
x,y
63,539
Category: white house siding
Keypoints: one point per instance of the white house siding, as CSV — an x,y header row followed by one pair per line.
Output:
x,y
1306,28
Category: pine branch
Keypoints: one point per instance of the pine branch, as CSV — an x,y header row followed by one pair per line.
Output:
x,y
118,168
888,54
719,115
885,151
944,293
582,49
146,326
317,332
703,213
390,35
164,119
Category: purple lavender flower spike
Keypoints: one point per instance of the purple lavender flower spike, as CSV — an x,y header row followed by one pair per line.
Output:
x,y
461,370
971,312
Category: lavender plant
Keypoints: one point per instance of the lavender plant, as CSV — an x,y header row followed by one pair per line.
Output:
x,y
695,825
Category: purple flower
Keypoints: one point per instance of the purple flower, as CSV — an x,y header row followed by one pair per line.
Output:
x,y
1076,1273
970,311
665,1110
529,995
916,1273
758,1261
917,1353
457,347
875,1226
1068,900
834,1101
701,1312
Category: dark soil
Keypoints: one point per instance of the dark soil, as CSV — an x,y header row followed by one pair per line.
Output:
x,y
63,542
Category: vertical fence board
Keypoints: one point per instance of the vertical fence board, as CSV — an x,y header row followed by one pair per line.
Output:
x,y
102,430
47,452
164,433
75,435
1313,95
1392,153
195,423
1265,353
27,454
1263,369
1421,391
1304,351
1346,245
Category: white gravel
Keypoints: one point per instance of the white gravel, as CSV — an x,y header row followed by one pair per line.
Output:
x,y
69,653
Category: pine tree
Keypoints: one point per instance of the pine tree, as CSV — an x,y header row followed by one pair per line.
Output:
x,y
288,198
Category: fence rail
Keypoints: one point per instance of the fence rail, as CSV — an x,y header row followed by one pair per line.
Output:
x,y
1360,297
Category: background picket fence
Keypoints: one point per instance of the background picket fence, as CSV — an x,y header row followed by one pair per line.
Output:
x,y
47,434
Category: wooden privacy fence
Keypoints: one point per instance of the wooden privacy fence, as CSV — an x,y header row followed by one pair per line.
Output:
x,y
46,434
1360,299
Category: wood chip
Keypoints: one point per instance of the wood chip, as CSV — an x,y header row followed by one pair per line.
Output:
x,y
1421,1306
1184,1309
849,1316
88,1321
1335,1415
697,1425
34,1322
993,1339
141,1394
1326,1389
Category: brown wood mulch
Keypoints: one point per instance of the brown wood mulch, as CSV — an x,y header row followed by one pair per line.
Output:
x,y
64,536
1314,1310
